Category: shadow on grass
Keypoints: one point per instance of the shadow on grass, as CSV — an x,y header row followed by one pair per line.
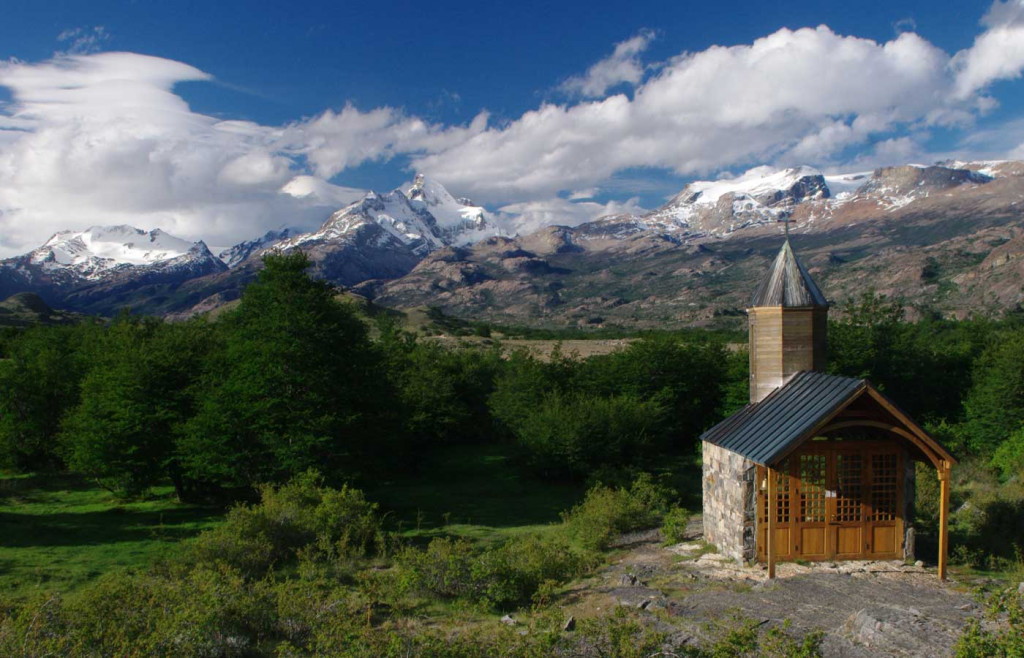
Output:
x,y
477,485
102,527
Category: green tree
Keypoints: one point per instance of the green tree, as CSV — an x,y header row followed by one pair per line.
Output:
x,y
995,404
574,433
296,387
686,378
39,384
443,390
135,400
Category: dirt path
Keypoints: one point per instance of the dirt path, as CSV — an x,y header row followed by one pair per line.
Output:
x,y
865,608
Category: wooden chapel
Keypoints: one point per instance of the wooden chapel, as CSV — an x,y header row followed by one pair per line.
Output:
x,y
815,467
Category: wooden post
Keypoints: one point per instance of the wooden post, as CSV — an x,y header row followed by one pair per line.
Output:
x,y
943,518
770,535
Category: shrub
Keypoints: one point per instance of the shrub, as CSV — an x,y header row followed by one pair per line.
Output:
x,y
499,578
302,514
673,525
605,512
1005,639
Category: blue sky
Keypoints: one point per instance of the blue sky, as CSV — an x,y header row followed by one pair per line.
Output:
x,y
223,119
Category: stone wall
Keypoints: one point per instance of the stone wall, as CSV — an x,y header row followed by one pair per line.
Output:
x,y
728,488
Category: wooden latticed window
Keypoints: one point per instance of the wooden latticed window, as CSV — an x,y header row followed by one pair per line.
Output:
x,y
783,494
782,499
812,488
884,487
849,476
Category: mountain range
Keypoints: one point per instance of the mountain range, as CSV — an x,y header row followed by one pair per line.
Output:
x,y
946,237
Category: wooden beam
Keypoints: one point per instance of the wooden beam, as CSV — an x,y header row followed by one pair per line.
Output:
x,y
943,518
772,485
888,427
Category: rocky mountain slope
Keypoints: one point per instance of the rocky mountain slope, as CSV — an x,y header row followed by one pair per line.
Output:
x,y
947,237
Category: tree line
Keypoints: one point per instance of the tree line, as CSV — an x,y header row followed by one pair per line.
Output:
x,y
293,379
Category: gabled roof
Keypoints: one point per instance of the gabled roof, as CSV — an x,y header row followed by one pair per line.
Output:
x,y
788,284
770,429
765,430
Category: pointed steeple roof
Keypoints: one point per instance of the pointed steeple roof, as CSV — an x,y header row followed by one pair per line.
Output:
x,y
788,284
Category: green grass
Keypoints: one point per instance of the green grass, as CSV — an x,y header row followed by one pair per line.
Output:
x,y
473,491
58,532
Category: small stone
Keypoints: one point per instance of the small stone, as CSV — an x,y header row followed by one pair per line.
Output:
x,y
919,564
1020,589
508,621
569,625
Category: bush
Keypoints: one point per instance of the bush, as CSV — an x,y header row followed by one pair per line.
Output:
x,y
500,578
303,514
673,525
1009,457
606,513
1006,639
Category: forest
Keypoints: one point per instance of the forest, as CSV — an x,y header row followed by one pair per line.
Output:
x,y
297,411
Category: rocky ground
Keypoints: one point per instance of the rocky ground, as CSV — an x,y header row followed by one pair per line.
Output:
x,y
864,608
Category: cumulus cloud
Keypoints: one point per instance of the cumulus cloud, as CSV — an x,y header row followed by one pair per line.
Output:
x,y
103,138
622,66
997,54
335,141
803,94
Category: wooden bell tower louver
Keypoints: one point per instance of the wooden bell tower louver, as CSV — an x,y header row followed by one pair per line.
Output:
x,y
788,319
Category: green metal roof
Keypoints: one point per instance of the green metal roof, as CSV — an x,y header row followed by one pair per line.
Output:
x,y
764,431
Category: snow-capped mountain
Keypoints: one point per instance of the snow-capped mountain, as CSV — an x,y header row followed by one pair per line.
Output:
x,y
383,237
764,196
458,221
77,262
422,218
97,249
760,196
238,253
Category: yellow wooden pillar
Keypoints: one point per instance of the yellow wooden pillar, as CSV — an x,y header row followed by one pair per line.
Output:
x,y
944,469
770,534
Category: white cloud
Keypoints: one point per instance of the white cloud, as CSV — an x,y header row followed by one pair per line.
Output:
x,y
803,96
529,216
103,138
997,54
335,141
622,66
82,40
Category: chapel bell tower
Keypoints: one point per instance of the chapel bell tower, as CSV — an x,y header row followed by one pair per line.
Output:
x,y
788,320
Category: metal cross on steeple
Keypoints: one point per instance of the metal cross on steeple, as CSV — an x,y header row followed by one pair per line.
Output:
x,y
785,221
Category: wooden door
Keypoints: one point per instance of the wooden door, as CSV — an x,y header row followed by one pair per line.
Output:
x,y
846,513
813,540
884,524
836,501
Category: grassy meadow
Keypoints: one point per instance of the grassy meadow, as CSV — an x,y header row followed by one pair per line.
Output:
x,y
62,531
